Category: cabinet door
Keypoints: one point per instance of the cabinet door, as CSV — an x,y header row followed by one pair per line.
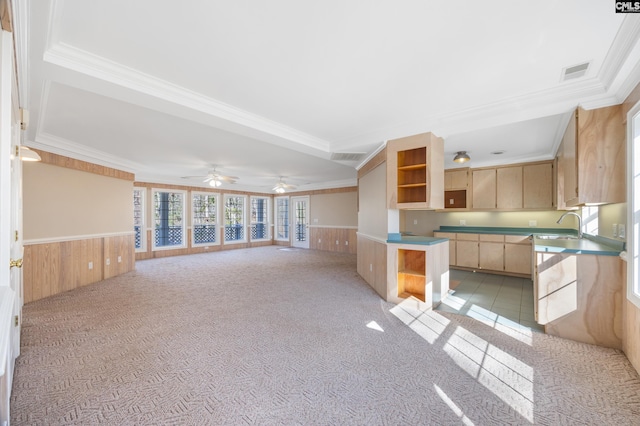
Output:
x,y
452,244
538,186
484,189
455,179
509,187
467,253
491,256
517,258
569,163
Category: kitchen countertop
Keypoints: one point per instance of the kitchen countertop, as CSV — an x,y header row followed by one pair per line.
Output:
x,y
589,244
397,238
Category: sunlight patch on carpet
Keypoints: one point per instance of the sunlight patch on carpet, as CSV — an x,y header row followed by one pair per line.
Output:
x,y
425,322
505,376
458,412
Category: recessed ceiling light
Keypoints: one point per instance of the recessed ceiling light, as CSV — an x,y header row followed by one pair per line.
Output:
x,y
498,152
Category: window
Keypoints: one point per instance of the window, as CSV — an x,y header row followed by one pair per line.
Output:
x,y
633,205
169,227
205,218
138,219
234,218
259,218
282,218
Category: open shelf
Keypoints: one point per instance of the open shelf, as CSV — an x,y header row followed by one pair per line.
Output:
x,y
455,199
411,274
412,175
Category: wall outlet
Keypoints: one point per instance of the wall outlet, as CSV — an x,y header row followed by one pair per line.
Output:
x,y
90,265
315,220
415,221
319,240
451,202
463,222
206,247
371,267
337,242
622,232
119,259
108,261
533,223
614,230
346,243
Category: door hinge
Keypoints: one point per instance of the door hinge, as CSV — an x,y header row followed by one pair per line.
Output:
x,y
17,151
16,321
16,235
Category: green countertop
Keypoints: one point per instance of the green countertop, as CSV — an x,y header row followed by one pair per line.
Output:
x,y
589,244
396,238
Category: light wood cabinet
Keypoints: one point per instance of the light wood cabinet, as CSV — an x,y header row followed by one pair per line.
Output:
x,y
592,157
456,188
509,187
415,172
517,254
537,181
578,297
467,250
483,191
491,252
452,244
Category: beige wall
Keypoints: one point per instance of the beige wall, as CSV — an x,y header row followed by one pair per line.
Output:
x,y
428,221
610,214
337,209
59,203
373,215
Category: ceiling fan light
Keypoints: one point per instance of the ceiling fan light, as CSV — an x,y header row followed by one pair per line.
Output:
x,y
280,190
215,182
461,157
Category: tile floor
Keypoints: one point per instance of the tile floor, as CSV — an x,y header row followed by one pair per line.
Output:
x,y
508,297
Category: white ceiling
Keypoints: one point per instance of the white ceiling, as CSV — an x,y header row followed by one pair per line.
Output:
x,y
267,89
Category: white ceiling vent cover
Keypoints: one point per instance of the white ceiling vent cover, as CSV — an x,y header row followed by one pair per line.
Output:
x,y
575,71
347,156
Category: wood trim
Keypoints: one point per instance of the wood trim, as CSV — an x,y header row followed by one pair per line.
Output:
x,y
322,191
83,166
150,185
326,238
630,102
377,159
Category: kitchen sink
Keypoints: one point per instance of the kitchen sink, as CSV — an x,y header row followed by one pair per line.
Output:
x,y
557,237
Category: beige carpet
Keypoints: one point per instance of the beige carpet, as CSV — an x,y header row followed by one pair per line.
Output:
x,y
285,337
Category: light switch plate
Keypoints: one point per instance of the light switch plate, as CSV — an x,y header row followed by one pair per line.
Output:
x,y
533,223
622,232
463,222
415,221
614,229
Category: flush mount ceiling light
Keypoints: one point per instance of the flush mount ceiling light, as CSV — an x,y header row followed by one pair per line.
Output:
x,y
27,154
461,157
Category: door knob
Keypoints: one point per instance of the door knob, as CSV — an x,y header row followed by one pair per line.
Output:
x,y
16,263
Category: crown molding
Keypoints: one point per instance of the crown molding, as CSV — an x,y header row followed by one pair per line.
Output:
x,y
21,27
60,146
622,46
83,62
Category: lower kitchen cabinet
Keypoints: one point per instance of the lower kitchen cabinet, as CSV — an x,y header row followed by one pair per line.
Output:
x,y
467,250
517,254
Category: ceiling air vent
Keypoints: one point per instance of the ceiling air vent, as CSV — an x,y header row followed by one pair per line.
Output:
x,y
575,71
347,156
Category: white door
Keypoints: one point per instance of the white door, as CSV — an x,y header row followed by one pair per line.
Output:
x,y
300,219
10,222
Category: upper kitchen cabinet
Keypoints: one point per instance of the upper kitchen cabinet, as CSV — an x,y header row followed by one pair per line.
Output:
x,y
456,185
591,158
415,172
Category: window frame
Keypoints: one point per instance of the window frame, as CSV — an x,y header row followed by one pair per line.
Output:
x,y
143,219
244,239
217,221
633,225
183,244
267,220
276,220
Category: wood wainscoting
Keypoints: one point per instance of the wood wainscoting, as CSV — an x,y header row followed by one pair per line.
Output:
x,y
372,263
342,240
54,267
631,333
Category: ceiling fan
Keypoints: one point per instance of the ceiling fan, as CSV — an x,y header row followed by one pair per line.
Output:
x,y
214,178
281,186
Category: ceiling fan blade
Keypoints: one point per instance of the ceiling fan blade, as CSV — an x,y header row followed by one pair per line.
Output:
x,y
194,177
229,179
208,178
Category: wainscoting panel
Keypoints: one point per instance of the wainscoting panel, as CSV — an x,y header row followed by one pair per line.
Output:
x,y
342,240
631,333
55,267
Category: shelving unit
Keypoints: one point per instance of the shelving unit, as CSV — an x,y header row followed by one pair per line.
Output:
x,y
412,175
411,274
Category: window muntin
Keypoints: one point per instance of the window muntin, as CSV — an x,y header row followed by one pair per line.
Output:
x,y
234,221
204,208
169,224
259,218
282,218
138,219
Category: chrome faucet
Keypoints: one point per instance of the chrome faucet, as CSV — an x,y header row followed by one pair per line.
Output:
x,y
579,221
